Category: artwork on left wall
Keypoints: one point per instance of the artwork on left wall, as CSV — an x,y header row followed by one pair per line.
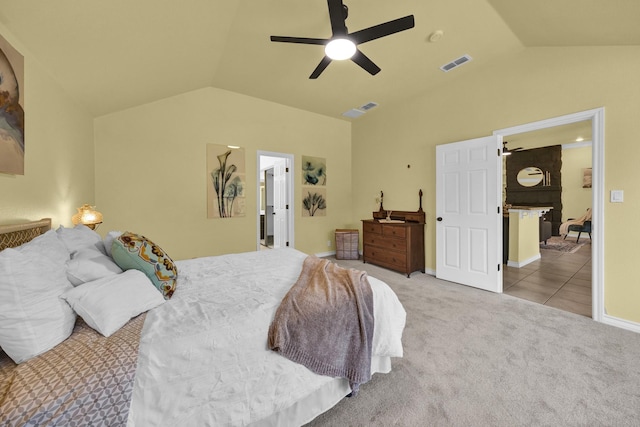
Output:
x,y
226,178
11,110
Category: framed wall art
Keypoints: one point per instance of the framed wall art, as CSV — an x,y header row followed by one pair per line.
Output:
x,y
12,142
314,171
314,202
586,177
226,181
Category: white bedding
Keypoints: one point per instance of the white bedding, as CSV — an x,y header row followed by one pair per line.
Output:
x,y
203,355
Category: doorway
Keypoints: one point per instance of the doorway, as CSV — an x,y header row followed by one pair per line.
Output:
x,y
596,119
493,246
561,277
275,222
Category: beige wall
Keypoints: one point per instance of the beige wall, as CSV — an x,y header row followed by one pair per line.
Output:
x,y
575,198
151,169
523,237
535,84
59,164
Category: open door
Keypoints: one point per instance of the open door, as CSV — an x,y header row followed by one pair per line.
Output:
x,y
469,213
275,219
280,204
269,214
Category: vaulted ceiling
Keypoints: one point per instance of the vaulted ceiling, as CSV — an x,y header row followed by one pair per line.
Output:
x,y
111,55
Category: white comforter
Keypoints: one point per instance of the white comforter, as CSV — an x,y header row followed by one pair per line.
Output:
x,y
203,355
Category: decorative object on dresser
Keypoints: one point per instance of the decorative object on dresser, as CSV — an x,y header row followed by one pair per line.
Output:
x,y
395,239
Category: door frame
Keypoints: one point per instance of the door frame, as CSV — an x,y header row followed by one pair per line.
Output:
x,y
598,193
291,194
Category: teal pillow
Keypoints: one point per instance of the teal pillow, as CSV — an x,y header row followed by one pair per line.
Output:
x,y
134,251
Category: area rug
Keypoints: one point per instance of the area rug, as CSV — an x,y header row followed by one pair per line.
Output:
x,y
557,243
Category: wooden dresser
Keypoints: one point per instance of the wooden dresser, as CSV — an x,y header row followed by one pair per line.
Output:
x,y
398,245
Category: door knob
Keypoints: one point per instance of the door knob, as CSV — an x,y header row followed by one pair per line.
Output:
x,y
439,218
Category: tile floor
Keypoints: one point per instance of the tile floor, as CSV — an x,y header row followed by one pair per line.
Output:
x,y
557,279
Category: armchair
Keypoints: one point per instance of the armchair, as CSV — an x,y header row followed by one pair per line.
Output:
x,y
584,228
581,225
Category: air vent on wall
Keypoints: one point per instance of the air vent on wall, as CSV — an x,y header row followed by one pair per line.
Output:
x,y
456,63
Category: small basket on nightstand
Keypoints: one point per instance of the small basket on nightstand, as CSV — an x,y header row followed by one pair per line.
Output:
x,y
347,244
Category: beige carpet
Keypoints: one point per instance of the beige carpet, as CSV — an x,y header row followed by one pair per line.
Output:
x,y
474,358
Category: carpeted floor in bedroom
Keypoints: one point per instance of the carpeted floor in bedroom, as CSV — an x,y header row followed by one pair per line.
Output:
x,y
475,358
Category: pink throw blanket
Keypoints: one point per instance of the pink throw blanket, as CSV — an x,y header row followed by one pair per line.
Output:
x,y
325,322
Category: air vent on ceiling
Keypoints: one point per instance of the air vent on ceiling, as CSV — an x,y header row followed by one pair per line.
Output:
x,y
456,63
368,106
353,113
357,112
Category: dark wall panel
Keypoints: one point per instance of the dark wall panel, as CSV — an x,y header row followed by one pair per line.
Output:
x,y
546,193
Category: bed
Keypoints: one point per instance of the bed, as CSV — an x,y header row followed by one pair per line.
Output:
x,y
198,358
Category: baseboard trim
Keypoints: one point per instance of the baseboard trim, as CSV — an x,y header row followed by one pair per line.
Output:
x,y
621,323
519,264
325,254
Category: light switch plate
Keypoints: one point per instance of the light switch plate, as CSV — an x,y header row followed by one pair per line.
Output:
x,y
617,196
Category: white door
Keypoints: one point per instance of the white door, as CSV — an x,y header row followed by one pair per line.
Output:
x,y
469,213
280,204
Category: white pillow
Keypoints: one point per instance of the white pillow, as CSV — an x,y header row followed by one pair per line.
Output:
x,y
47,245
87,265
107,304
33,318
108,240
80,237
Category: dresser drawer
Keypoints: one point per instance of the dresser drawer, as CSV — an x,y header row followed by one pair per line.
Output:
x,y
387,258
391,243
394,231
370,227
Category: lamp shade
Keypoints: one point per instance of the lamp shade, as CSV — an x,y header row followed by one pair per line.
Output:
x,y
88,216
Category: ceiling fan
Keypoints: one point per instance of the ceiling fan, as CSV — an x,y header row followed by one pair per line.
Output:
x,y
342,44
506,151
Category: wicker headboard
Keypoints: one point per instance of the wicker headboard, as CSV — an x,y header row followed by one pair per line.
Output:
x,y
17,234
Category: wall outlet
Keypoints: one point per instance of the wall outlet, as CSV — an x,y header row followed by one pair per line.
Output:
x,y
328,243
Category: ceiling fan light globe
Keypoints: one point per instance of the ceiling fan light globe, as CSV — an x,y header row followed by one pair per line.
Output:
x,y
340,49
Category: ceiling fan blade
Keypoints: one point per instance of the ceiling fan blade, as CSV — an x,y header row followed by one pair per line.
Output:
x,y
362,60
382,30
303,40
337,15
320,68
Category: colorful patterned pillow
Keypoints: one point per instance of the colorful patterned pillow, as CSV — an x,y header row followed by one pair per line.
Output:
x,y
133,251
